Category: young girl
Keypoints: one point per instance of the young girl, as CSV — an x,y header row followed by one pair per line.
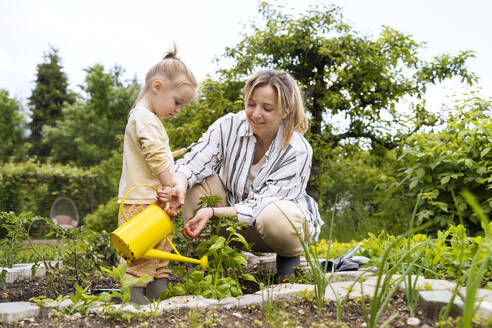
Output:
x,y
147,159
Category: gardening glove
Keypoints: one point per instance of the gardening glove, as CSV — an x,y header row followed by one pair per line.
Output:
x,y
343,263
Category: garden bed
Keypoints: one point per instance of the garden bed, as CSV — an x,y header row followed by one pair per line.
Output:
x,y
285,314
292,313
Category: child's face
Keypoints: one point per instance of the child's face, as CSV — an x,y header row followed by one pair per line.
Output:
x,y
168,102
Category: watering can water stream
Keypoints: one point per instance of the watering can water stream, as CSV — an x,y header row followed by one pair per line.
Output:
x,y
138,236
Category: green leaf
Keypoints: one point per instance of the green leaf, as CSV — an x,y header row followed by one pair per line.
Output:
x,y
219,243
413,184
485,151
240,259
445,179
248,277
195,275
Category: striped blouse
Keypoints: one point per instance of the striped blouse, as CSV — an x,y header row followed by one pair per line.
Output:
x,y
229,146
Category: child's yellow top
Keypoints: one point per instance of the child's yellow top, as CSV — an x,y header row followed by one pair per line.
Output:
x,y
146,153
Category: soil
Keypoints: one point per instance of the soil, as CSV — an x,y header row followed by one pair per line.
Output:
x,y
277,314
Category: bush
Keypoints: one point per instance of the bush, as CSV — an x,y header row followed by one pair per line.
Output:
x,y
441,164
32,187
363,185
105,218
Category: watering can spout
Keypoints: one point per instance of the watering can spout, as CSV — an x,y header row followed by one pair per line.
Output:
x,y
161,255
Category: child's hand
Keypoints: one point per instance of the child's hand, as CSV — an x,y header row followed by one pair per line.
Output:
x,y
172,207
166,198
165,194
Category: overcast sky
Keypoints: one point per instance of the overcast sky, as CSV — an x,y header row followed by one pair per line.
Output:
x,y
135,34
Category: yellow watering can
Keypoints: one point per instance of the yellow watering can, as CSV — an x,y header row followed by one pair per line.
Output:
x,y
138,236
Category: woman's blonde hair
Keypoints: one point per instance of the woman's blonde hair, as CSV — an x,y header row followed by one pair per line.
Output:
x,y
172,70
288,100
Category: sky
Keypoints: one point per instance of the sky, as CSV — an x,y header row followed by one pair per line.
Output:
x,y
135,34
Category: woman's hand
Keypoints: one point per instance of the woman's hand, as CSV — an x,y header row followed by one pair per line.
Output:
x,y
193,227
180,184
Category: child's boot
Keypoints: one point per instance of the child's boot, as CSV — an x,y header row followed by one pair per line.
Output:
x,y
138,296
155,288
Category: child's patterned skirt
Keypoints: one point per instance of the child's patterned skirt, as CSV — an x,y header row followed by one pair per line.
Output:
x,y
152,268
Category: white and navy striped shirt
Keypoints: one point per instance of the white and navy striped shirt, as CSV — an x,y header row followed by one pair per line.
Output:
x,y
229,144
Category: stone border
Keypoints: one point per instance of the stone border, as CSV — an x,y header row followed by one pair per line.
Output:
x,y
24,270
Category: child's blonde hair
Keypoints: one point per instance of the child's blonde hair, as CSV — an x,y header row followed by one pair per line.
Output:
x,y
172,70
288,100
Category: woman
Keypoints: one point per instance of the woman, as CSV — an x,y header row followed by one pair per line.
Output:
x,y
264,164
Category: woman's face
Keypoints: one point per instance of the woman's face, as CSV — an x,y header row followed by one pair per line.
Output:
x,y
262,112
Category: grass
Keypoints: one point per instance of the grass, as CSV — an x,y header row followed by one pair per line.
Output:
x,y
35,252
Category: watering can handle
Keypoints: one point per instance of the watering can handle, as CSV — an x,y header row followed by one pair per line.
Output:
x,y
126,194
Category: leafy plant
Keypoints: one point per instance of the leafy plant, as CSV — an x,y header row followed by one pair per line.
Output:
x,y
126,281
32,187
440,164
104,218
480,261
80,252
16,232
225,265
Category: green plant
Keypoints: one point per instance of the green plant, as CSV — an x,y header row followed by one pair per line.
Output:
x,y
320,280
226,262
386,286
104,218
80,252
480,261
439,164
126,281
447,255
17,236
221,278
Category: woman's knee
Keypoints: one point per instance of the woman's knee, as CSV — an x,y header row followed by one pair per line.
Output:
x,y
279,224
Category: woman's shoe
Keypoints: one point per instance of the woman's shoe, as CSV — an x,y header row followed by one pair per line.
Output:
x,y
155,288
286,268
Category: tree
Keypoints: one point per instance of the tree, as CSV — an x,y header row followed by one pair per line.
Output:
x,y
214,100
341,72
47,98
12,125
92,128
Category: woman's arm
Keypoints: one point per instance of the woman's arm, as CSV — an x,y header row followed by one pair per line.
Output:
x,y
205,156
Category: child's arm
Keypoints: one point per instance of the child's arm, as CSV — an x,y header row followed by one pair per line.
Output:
x,y
166,178
164,193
